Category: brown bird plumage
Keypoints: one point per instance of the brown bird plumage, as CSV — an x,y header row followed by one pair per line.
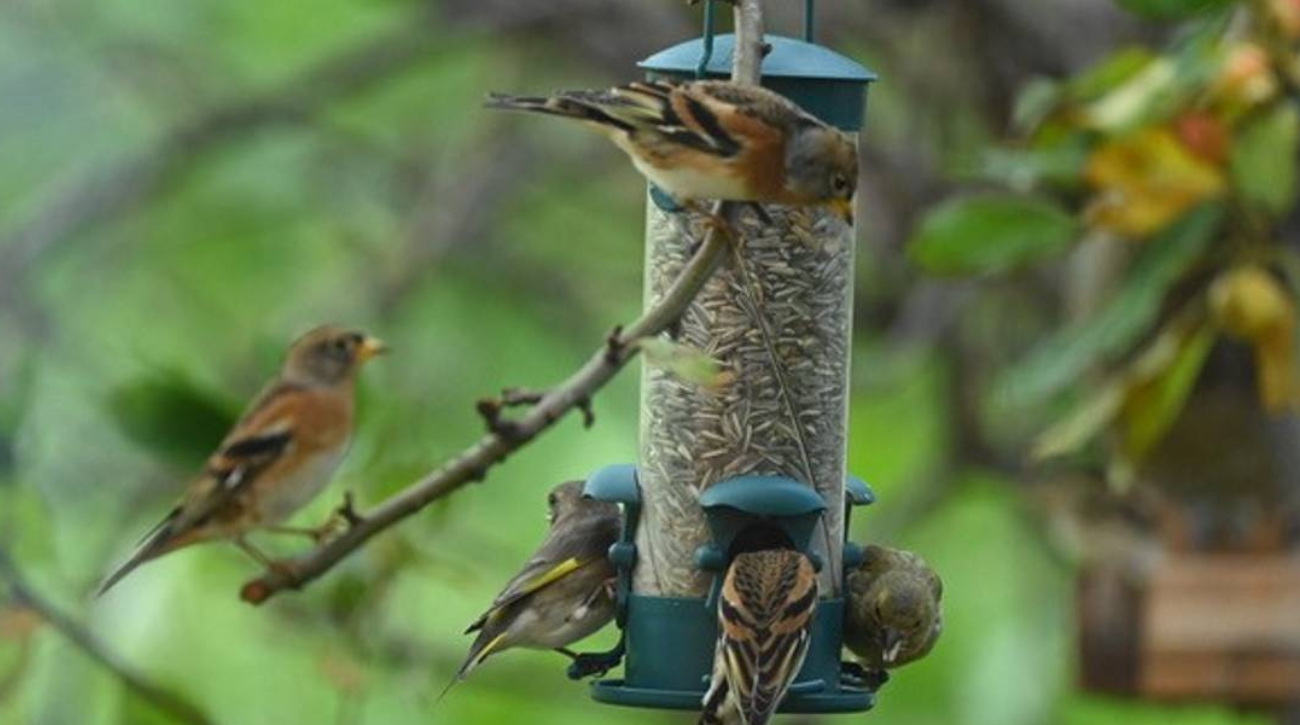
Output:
x,y
279,455
715,140
765,615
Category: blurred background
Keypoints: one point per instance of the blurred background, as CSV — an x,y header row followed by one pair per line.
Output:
x,y
1073,369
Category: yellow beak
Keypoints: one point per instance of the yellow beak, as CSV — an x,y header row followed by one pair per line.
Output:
x,y
842,208
370,347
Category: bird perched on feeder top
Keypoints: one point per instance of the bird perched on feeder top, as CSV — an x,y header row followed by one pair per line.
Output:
x,y
565,591
718,140
894,614
280,454
765,615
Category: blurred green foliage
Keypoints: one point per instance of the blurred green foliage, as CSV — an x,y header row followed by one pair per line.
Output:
x,y
126,346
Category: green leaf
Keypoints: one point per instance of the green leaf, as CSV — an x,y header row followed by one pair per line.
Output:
x,y
1059,161
990,234
1109,74
1264,160
172,417
1063,357
1172,8
1098,410
1155,405
685,362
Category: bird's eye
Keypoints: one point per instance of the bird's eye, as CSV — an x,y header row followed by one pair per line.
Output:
x,y
839,184
551,500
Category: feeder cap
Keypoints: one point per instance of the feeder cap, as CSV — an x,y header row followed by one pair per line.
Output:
x,y
789,58
615,484
763,496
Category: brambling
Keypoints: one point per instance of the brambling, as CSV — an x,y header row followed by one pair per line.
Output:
x,y
565,591
893,615
765,615
718,140
281,452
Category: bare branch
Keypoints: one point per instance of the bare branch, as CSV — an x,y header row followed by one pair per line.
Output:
x,y
179,708
473,463
505,437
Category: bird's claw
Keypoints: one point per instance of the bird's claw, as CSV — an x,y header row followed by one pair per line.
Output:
x,y
593,664
866,677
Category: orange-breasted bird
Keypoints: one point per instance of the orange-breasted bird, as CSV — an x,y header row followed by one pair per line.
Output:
x,y
765,615
715,140
280,454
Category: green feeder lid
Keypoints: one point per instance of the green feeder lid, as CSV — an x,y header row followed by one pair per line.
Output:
x,y
763,496
616,484
789,58
824,83
858,492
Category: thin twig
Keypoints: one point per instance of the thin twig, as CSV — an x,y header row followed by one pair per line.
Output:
x,y
574,393
472,464
179,708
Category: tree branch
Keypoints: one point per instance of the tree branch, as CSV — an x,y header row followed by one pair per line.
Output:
x,y
574,393
178,707
473,463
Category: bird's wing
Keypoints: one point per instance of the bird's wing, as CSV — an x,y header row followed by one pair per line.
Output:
x,y
560,554
263,435
765,621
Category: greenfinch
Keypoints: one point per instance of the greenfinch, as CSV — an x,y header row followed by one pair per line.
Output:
x,y
893,615
565,591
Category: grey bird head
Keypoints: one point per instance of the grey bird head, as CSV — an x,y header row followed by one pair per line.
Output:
x,y
821,166
566,501
329,354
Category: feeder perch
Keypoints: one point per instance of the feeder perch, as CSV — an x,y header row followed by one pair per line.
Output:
x,y
668,641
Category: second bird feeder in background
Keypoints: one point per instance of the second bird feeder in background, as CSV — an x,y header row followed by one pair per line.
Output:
x,y
766,450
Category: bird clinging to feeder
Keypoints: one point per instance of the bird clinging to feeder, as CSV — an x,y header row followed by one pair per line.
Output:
x,y
765,614
280,454
894,614
716,140
564,592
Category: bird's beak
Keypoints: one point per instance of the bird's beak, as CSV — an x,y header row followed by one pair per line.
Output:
x,y
842,208
891,643
370,347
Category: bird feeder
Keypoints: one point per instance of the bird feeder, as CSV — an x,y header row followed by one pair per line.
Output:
x,y
763,454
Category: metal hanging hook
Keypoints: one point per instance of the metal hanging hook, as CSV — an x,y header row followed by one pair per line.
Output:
x,y
809,23
707,52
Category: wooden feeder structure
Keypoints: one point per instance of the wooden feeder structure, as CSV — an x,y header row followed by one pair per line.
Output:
x,y
1197,627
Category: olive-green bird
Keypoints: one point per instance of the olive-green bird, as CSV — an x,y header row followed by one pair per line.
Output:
x,y
566,589
894,614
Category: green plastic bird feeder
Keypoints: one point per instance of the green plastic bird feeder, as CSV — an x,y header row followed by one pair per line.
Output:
x,y
762,455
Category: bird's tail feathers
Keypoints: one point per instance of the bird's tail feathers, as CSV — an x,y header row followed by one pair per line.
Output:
x,y
602,110
477,653
158,541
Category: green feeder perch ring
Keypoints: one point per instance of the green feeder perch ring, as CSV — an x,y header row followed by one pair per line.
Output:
x,y
670,658
667,644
